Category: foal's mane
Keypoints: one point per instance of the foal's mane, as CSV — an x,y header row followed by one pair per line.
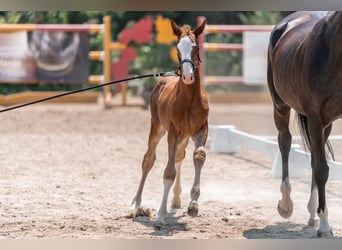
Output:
x,y
186,29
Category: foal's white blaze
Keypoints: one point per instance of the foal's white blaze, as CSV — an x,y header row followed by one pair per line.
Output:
x,y
185,47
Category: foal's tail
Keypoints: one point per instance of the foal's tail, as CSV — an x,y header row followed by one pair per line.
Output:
x,y
303,127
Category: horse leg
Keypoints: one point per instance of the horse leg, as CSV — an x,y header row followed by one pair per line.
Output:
x,y
169,173
281,115
177,189
198,159
281,119
156,133
313,201
320,172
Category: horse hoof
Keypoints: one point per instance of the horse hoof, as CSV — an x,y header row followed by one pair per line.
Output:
x,y
193,209
284,210
176,204
161,218
312,223
326,235
140,211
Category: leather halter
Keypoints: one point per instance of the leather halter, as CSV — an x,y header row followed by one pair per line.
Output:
x,y
194,65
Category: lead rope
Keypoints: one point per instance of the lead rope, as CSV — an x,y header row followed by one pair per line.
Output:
x,y
170,73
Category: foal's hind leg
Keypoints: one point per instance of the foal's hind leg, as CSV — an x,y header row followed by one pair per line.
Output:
x,y
177,189
281,119
198,158
156,133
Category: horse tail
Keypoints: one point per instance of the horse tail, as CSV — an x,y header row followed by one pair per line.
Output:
x,y
303,128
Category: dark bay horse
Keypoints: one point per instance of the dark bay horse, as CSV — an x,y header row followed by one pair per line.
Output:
x,y
305,73
179,106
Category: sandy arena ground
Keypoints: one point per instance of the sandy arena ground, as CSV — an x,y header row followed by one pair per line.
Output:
x,y
71,171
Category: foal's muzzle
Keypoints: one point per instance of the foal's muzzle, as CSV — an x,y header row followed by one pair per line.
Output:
x,y
188,71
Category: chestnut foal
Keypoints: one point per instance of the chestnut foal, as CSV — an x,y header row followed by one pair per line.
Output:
x,y
179,105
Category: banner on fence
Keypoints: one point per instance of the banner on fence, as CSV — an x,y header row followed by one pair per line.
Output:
x,y
50,56
255,57
16,61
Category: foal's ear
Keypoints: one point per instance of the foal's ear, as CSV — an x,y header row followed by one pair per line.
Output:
x,y
176,30
199,30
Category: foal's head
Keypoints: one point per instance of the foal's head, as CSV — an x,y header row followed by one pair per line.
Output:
x,y
188,49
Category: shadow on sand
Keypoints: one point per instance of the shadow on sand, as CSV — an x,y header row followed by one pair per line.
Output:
x,y
168,229
283,230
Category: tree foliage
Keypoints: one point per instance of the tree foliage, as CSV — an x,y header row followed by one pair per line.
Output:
x,y
151,57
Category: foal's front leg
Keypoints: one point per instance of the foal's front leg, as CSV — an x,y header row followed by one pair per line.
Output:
x,y
156,133
169,174
198,158
177,188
